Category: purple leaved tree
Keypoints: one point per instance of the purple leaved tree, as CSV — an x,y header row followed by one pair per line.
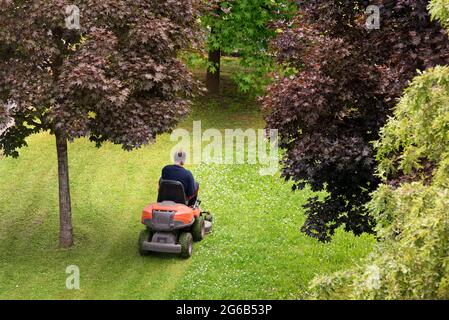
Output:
x,y
107,70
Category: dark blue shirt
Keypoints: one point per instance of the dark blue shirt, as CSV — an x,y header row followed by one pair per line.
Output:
x,y
181,174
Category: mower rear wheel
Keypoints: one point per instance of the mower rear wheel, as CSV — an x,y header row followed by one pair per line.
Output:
x,y
186,242
143,236
198,229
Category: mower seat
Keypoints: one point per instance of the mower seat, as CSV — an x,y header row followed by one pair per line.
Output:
x,y
171,191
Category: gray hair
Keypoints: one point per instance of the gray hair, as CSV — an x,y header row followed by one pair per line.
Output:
x,y
180,157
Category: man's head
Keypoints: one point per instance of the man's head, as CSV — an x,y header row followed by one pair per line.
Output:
x,y
180,157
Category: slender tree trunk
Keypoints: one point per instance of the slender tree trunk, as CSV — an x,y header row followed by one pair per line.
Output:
x,y
213,79
65,208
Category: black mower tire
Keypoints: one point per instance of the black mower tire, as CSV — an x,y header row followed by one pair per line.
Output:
x,y
208,216
143,236
186,242
198,229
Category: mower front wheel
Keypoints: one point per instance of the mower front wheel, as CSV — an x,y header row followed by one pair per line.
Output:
x,y
198,229
186,242
143,236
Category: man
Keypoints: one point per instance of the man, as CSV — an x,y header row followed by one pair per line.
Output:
x,y
177,172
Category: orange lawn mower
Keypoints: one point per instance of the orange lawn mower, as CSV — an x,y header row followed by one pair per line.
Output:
x,y
171,225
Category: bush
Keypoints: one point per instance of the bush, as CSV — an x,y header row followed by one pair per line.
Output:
x,y
411,260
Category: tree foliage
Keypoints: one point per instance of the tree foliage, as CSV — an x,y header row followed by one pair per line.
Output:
x,y
245,27
411,206
114,76
349,79
439,9
117,78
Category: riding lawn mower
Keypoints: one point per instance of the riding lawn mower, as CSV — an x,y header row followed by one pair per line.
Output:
x,y
171,225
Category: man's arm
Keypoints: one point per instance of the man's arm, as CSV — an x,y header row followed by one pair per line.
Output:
x,y
191,186
163,173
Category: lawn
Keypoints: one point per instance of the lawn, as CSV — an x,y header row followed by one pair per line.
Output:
x,y
255,252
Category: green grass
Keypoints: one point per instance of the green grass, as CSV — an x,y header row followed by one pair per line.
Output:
x,y
255,252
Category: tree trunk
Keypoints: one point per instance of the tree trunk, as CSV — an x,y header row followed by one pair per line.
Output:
x,y
65,208
213,79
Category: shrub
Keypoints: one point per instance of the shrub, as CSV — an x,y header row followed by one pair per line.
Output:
x,y
411,260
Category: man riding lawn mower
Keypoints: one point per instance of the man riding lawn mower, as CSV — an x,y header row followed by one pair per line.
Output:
x,y
176,220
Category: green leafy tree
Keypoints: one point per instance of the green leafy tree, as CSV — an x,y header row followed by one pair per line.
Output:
x,y
411,260
245,28
107,70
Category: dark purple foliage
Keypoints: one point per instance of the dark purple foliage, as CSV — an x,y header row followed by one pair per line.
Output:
x,y
116,79
332,109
